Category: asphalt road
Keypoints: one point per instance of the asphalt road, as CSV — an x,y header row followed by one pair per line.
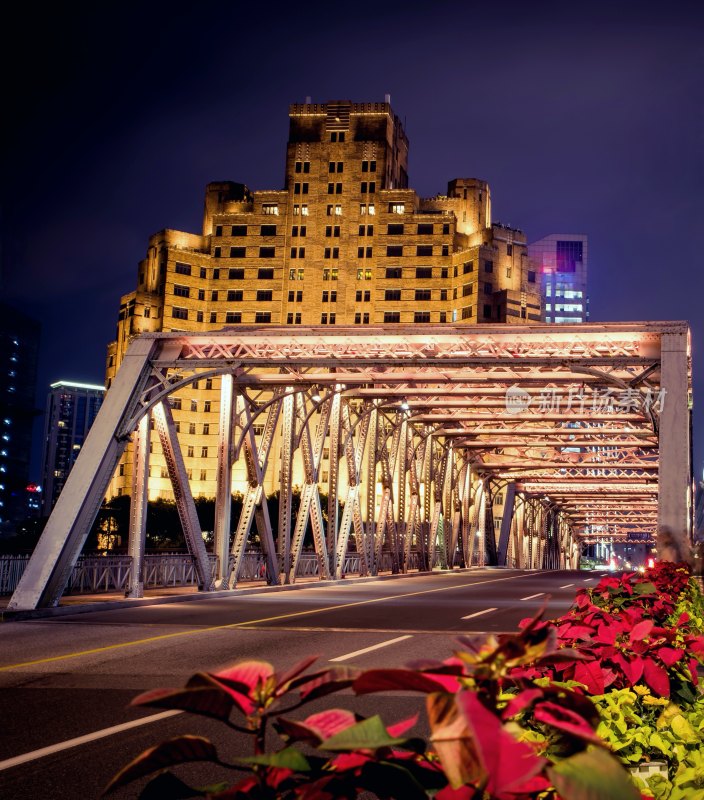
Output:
x,y
73,676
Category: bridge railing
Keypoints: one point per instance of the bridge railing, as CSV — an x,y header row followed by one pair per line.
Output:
x,y
94,573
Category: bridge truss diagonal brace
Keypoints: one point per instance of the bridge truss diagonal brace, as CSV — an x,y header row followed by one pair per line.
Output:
x,y
62,540
138,508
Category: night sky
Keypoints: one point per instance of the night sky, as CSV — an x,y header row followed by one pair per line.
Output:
x,y
583,118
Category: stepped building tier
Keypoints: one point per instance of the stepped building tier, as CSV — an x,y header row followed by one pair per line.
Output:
x,y
345,242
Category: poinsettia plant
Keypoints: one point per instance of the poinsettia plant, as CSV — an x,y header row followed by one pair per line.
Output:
x,y
478,747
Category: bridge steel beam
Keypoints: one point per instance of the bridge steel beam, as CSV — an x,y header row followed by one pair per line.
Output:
x,y
583,423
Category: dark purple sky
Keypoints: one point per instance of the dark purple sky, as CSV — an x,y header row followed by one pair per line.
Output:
x,y
585,117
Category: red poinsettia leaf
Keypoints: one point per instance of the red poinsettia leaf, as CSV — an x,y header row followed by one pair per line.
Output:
x,y
564,719
385,680
399,728
327,682
520,702
237,692
328,723
250,673
656,677
696,645
670,655
641,630
295,671
591,675
208,701
507,762
461,793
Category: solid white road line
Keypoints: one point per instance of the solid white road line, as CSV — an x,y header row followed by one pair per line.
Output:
x,y
479,613
89,737
566,586
586,580
369,649
533,596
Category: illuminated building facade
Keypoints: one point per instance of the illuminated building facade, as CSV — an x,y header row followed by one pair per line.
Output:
x,y
71,409
19,348
560,261
345,242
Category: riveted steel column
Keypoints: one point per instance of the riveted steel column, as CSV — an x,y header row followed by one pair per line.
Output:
x,y
138,508
223,489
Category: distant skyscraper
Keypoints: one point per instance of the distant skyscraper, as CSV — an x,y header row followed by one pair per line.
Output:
x,y
561,262
19,347
71,409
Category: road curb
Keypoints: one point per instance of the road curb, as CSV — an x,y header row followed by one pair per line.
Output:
x,y
111,605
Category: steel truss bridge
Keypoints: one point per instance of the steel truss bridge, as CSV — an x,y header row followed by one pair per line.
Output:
x,y
583,429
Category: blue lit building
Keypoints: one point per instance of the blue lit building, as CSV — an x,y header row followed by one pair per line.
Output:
x,y
71,409
561,262
19,349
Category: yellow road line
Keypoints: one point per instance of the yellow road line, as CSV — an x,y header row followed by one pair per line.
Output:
x,y
232,625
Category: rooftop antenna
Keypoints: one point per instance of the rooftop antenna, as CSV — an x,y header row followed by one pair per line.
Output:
x,y
387,98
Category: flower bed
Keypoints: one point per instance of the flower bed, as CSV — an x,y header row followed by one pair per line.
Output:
x,y
554,711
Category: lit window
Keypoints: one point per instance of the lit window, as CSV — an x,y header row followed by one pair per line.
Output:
x,y
270,208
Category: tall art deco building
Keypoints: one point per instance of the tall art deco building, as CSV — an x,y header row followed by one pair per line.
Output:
x,y
345,242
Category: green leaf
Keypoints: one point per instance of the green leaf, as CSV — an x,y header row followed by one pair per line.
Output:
x,y
178,750
370,734
592,775
288,758
644,588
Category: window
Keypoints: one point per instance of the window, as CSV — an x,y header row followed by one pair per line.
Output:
x,y
217,252
392,317
299,230
233,317
330,274
262,317
467,312
181,291
179,313
423,294
182,269
425,229
363,252
239,230
509,249
214,296
330,297
392,294
236,274
267,252
201,294
394,230
267,230
509,270
394,250
270,208
304,210
332,252
337,136
264,296
364,274
199,316
213,317
362,297
265,274
368,166
443,294
176,403
203,272
295,297
446,228
421,316
203,452
467,289
488,266
332,230
397,208
444,272
295,274
394,272
336,166
424,272
218,230
446,250
192,428
361,319
302,166
468,266
488,288
324,319
206,406
531,276
235,295
194,405
208,385
487,312
424,250
443,316
238,252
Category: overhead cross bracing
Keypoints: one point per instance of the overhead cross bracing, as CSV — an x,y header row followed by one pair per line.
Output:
x,y
575,426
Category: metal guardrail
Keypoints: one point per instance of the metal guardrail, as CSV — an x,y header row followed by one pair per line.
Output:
x,y
94,574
